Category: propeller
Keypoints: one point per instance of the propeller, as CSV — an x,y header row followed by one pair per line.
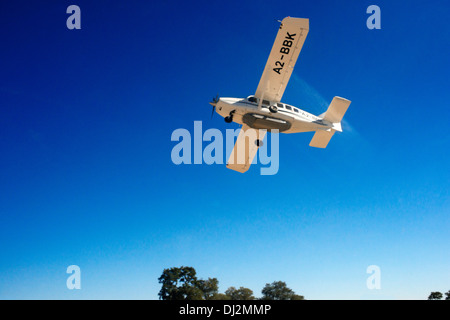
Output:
x,y
214,103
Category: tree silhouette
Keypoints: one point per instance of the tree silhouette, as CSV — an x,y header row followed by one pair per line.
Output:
x,y
240,294
278,290
182,284
179,284
209,288
435,296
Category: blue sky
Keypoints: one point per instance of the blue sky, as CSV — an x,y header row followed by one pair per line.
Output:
x,y
87,179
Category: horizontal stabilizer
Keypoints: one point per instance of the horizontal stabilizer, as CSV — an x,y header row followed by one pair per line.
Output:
x,y
321,138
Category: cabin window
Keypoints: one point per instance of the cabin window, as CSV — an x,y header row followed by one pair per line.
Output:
x,y
280,105
288,107
266,102
253,99
296,110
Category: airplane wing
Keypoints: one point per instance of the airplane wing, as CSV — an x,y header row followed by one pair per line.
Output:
x,y
282,58
245,148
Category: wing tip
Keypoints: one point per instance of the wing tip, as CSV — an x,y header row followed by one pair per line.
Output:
x,y
303,23
238,168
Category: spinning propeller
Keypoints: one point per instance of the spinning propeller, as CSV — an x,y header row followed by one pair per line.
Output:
x,y
214,103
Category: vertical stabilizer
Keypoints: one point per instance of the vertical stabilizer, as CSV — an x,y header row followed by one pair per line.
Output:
x,y
336,110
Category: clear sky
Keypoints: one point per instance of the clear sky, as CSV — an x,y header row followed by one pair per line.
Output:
x,y
86,177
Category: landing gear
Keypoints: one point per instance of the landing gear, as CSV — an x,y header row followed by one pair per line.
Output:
x,y
258,143
273,109
229,118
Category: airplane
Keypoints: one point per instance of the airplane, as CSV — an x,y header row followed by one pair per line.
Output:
x,y
264,110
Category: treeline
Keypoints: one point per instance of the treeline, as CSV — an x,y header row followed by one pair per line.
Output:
x,y
436,295
182,284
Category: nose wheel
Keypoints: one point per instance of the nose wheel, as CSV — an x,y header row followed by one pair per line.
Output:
x,y
229,119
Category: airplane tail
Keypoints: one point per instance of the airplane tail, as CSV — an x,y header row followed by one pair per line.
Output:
x,y
333,116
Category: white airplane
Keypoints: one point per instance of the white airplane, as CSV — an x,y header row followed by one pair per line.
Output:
x,y
264,109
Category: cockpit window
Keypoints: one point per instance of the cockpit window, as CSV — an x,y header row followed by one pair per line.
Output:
x,y
253,99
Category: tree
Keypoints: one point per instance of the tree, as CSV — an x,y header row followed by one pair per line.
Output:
x,y
179,284
278,290
447,295
435,296
209,288
182,284
220,296
239,294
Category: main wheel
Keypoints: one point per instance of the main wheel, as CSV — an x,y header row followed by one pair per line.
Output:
x,y
228,119
273,109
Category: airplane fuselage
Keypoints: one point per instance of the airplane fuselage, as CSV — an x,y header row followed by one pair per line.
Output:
x,y
269,115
